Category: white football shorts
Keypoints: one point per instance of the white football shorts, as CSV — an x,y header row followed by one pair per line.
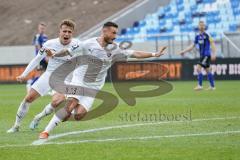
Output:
x,y
84,101
42,84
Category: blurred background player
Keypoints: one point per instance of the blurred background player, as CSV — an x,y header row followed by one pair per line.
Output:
x,y
207,51
39,39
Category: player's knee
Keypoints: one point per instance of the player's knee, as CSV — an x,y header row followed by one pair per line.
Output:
x,y
70,107
79,116
29,98
69,110
56,102
73,102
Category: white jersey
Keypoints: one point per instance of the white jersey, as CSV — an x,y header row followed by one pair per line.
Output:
x,y
53,63
93,48
56,46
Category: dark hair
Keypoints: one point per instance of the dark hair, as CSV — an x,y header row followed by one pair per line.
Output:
x,y
68,22
110,24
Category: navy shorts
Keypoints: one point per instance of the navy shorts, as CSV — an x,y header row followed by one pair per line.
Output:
x,y
205,61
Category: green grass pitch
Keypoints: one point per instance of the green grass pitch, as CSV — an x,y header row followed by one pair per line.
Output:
x,y
206,125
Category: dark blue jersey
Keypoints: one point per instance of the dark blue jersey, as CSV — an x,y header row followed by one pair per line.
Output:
x,y
39,39
203,43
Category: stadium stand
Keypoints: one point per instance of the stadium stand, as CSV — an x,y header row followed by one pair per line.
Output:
x,y
181,17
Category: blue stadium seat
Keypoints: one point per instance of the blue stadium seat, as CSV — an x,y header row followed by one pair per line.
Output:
x,y
233,27
183,16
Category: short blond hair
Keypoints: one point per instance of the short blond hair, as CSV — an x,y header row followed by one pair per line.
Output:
x,y
67,22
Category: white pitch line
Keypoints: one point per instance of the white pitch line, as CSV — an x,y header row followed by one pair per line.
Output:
x,y
40,141
15,145
129,138
146,137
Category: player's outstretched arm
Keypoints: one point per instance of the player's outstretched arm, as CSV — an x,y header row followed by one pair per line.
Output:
x,y
75,50
188,49
142,54
31,66
62,53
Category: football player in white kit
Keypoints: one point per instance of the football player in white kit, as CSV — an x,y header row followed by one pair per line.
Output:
x,y
94,47
41,86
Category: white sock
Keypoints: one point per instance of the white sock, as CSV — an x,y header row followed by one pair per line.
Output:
x,y
58,117
46,111
22,111
53,123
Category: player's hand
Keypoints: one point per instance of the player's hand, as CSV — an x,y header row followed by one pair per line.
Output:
x,y
20,78
213,58
49,53
181,53
161,51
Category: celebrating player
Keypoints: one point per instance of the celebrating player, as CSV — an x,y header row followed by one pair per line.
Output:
x,y
41,86
207,51
95,47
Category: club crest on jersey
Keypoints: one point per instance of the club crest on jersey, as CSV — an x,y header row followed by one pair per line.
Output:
x,y
90,50
109,54
42,50
74,47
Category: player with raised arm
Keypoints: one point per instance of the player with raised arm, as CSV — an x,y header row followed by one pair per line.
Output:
x,y
207,50
95,47
41,86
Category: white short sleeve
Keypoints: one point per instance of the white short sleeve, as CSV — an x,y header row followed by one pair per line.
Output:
x,y
126,52
77,49
46,45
